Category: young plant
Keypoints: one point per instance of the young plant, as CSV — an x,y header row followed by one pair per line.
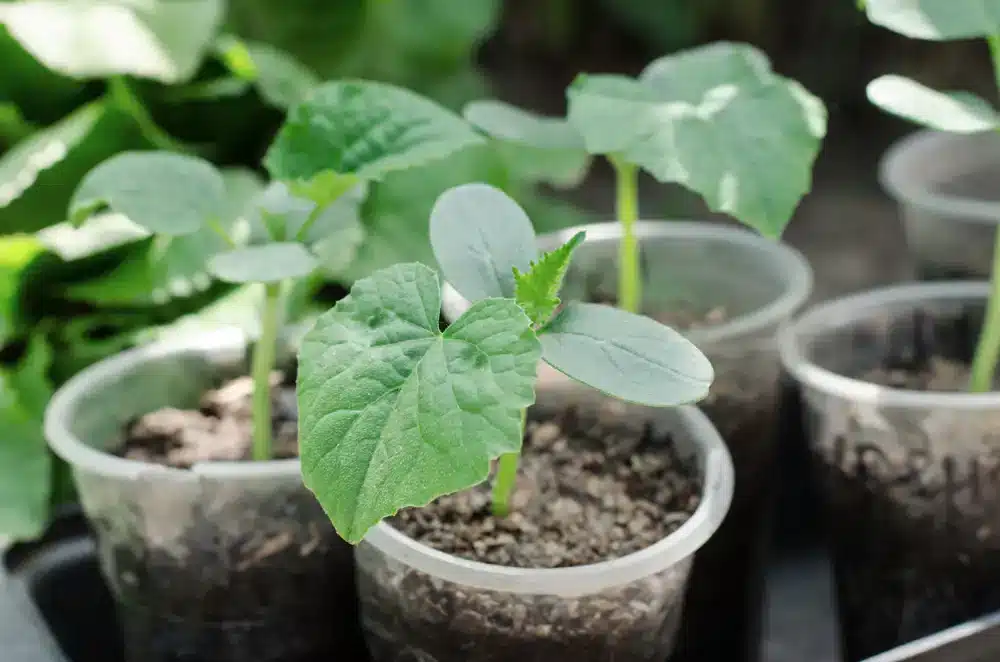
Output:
x,y
345,135
715,119
955,112
393,412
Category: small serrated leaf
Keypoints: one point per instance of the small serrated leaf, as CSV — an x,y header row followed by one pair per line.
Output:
x,y
625,355
479,234
956,112
537,290
165,193
269,263
394,413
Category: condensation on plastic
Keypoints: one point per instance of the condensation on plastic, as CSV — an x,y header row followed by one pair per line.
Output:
x,y
627,608
910,477
174,544
950,235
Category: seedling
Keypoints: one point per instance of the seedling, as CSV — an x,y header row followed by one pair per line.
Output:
x,y
714,119
394,412
345,135
955,112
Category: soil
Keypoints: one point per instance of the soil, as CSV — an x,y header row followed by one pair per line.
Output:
x,y
247,576
592,487
915,537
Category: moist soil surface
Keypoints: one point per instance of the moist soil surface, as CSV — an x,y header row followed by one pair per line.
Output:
x,y
915,535
591,487
248,575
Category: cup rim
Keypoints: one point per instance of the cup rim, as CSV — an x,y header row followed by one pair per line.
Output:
x,y
855,306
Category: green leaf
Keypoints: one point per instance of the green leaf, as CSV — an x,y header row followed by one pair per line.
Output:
x,y
625,355
538,289
281,80
957,112
325,187
394,413
25,462
364,129
269,263
937,20
165,193
479,235
535,148
160,39
16,253
21,166
715,119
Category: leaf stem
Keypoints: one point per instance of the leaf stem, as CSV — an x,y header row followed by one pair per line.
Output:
x,y
994,44
263,362
217,228
627,209
127,100
506,477
309,222
988,349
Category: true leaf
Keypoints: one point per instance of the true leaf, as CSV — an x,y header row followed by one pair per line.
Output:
x,y
160,39
538,289
936,20
364,129
625,355
25,462
715,119
957,112
163,192
394,413
267,263
478,234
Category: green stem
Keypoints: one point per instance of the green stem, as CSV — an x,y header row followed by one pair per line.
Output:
x,y
217,228
988,350
506,477
627,209
994,43
314,216
263,362
126,99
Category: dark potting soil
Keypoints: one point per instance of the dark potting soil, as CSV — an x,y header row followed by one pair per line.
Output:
x,y
915,534
236,574
591,487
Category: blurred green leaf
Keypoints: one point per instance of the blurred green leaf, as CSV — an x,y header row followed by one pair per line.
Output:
x,y
957,112
16,253
268,263
937,20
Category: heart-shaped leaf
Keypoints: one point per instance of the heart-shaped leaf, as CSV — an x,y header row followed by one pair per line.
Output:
x,y
715,119
936,20
478,234
393,413
626,355
957,112
25,462
160,39
364,129
268,263
165,193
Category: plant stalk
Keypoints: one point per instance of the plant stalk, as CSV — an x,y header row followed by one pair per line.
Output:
x,y
506,478
627,209
126,99
263,363
984,361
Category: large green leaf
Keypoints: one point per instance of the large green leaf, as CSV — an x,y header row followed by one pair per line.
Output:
x,y
393,413
166,193
16,253
715,119
364,129
160,39
479,235
958,112
25,462
625,355
937,20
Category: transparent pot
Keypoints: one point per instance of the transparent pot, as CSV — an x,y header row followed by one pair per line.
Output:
x,y
757,284
911,478
421,604
946,186
225,562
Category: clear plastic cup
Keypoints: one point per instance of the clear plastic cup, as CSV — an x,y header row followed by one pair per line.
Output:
x,y
228,562
627,608
755,284
946,187
911,479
